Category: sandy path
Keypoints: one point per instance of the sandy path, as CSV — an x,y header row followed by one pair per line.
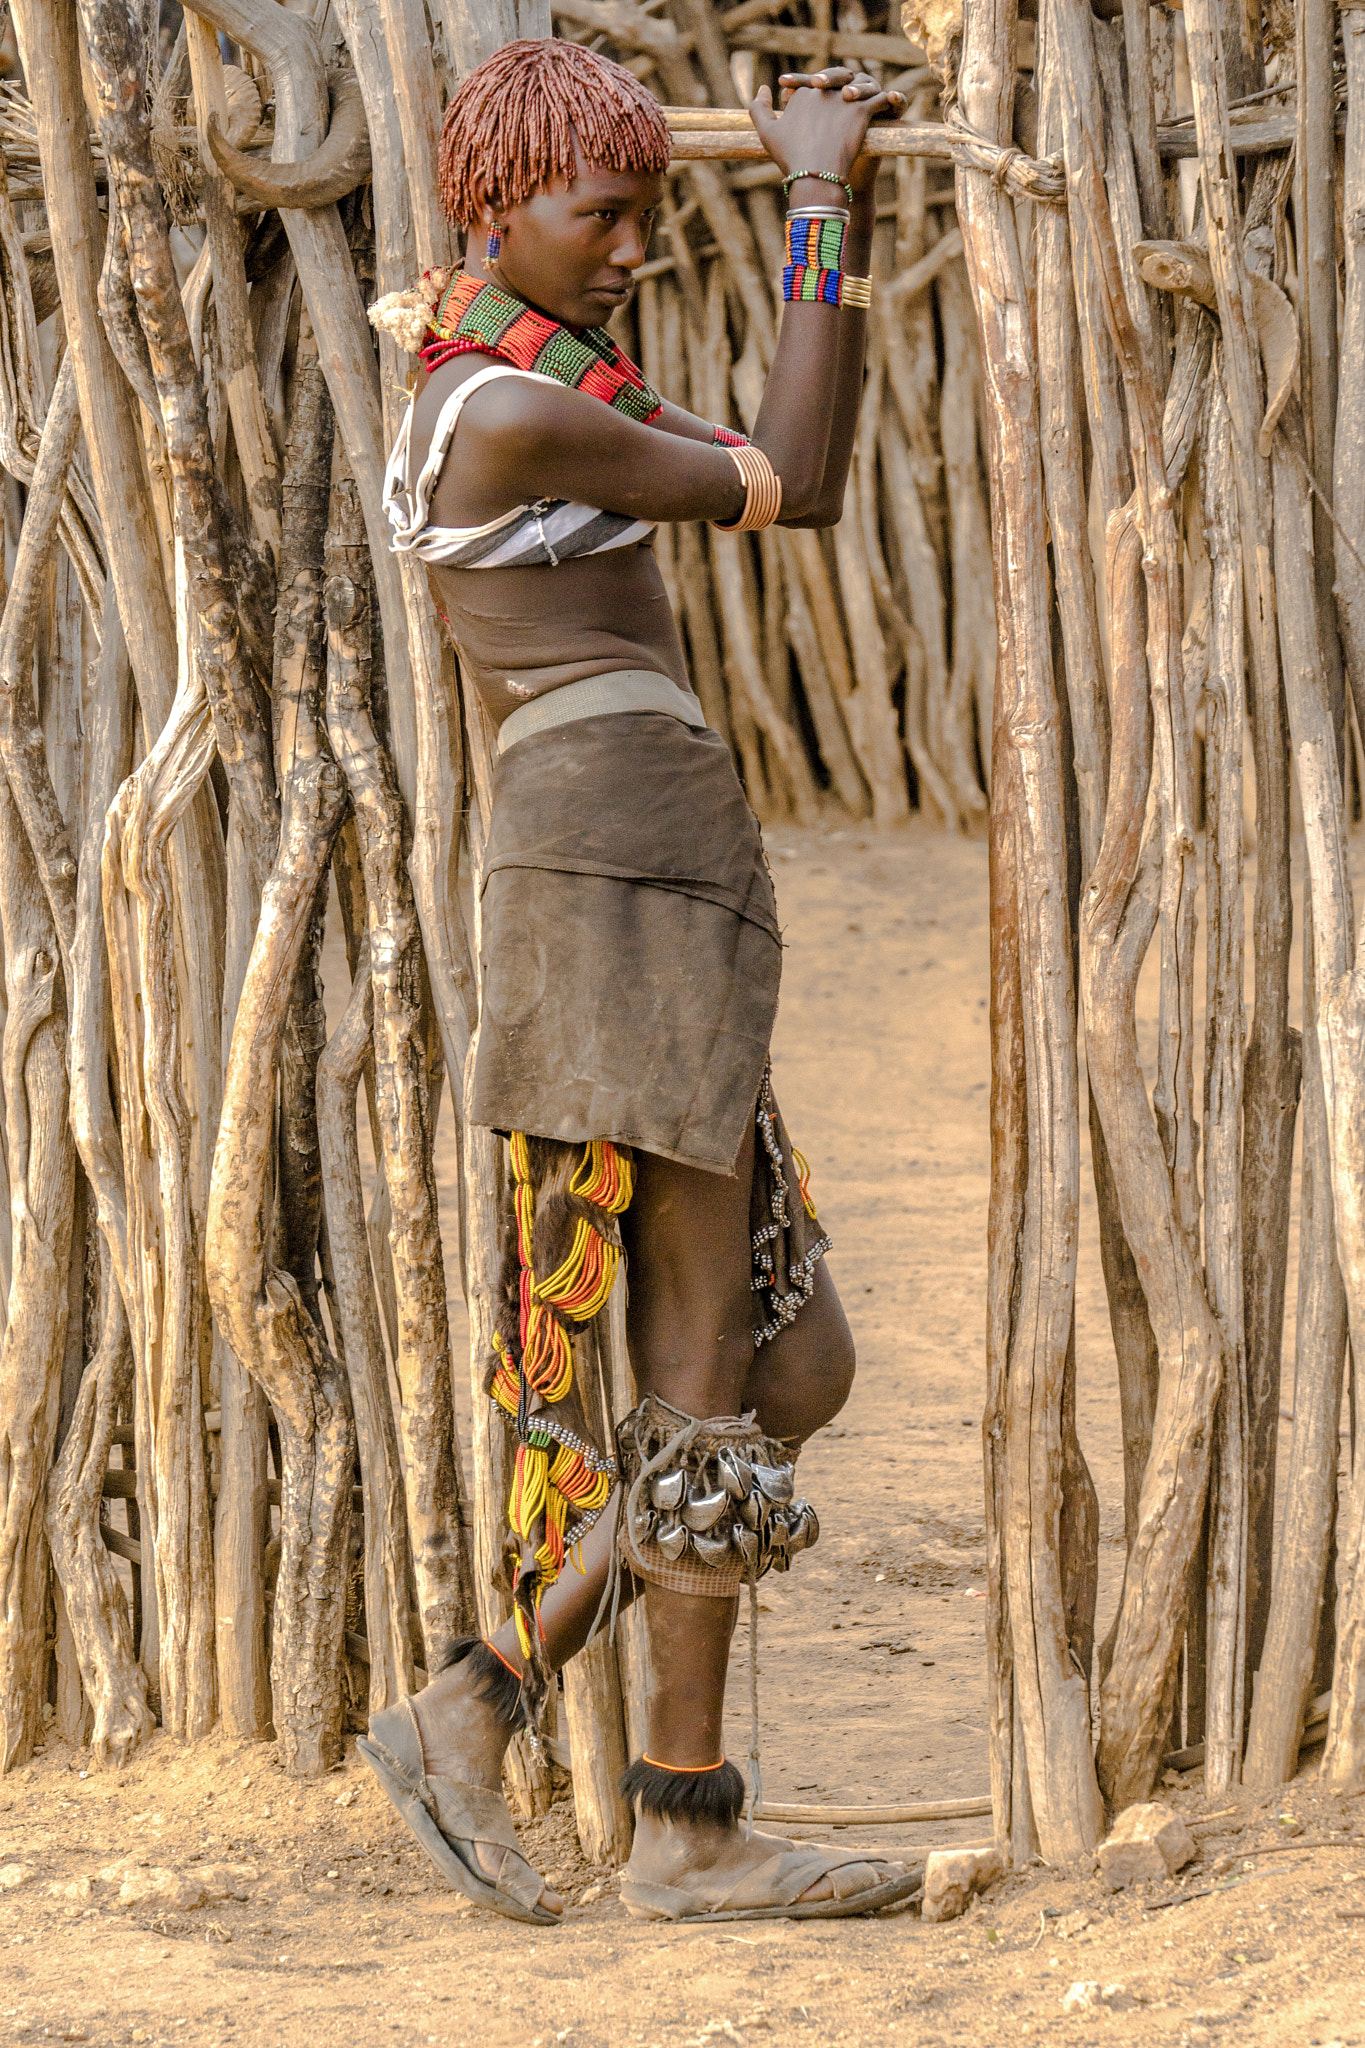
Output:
x,y
872,1665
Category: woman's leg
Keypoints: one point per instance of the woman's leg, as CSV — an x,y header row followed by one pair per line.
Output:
x,y
691,1342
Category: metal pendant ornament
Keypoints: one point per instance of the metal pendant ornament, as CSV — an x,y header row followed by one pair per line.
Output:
x,y
715,1494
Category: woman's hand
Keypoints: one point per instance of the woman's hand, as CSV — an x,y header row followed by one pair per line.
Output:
x,y
824,122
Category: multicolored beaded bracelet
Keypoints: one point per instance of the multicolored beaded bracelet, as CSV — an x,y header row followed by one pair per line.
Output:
x,y
815,242
814,270
814,273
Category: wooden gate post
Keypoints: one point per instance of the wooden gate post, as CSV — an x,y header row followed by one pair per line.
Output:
x,y
1040,1719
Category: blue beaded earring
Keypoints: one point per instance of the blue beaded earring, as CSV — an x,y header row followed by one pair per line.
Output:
x,y
493,246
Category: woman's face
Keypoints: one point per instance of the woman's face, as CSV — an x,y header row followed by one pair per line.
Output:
x,y
571,249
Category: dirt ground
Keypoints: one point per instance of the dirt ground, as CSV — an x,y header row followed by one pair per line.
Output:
x,y
323,1921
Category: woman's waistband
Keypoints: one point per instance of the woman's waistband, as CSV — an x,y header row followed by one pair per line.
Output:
x,y
619,689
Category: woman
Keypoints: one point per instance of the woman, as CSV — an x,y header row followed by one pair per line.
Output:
x,y
631,953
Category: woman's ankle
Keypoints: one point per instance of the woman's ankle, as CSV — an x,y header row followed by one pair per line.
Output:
x,y
709,1798
470,1711
492,1677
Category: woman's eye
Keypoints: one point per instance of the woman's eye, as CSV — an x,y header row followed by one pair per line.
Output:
x,y
608,214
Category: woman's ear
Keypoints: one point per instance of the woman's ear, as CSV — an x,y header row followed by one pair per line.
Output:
x,y
485,200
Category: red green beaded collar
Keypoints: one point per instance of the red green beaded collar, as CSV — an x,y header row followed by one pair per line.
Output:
x,y
471,315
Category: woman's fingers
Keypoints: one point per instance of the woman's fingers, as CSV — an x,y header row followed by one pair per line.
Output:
x,y
761,112
868,88
833,79
876,103
808,100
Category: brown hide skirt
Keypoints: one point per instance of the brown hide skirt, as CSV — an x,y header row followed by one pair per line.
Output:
x,y
631,959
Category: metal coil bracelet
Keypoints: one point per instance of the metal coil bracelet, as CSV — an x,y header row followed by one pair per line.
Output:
x,y
762,491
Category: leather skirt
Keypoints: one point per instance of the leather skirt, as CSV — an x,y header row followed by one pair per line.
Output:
x,y
630,949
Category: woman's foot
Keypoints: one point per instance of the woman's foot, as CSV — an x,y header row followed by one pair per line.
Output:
x,y
464,1739
709,1861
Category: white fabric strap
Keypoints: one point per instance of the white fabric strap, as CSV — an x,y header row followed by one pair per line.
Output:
x,y
409,505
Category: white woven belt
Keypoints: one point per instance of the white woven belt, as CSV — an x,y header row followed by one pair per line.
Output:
x,y
620,689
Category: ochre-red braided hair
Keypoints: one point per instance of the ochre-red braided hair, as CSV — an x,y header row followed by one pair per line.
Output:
x,y
513,123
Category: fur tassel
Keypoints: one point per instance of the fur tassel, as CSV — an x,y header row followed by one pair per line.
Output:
x,y
407,315
493,1682
707,1798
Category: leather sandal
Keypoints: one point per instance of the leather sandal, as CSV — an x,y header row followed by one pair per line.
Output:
x,y
772,1890
451,1819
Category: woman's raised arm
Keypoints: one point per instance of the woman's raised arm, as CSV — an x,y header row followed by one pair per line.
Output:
x,y
809,414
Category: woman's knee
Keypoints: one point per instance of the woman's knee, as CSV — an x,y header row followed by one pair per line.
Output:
x,y
843,1367
803,1378
829,1387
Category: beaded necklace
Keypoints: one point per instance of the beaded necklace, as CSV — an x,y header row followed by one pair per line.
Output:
x,y
471,315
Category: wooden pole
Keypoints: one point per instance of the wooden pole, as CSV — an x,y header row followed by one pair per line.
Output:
x,y
255,1299
1349,465
1225,1032
1273,1056
1315,217
1029,916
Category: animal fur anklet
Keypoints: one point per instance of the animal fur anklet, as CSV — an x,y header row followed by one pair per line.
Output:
x,y
495,1683
714,1796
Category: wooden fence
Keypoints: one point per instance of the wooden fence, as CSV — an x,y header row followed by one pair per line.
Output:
x,y
230,1481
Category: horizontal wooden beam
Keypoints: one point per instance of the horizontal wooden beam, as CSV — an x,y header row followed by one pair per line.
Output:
x,y
1254,133
121,1545
808,42
728,133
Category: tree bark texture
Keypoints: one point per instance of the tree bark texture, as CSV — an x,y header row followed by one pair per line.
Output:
x,y
42,1162
260,1304
389,1615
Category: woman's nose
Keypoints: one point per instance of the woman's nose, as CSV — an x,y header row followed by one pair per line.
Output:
x,y
629,252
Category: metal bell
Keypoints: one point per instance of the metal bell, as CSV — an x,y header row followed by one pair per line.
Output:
x,y
711,1549
672,1539
642,1527
666,1489
746,1543
736,1474
750,1510
799,1528
779,1546
776,1481
704,1510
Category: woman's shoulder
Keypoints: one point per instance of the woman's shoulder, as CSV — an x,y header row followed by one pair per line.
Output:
x,y
507,397
496,405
